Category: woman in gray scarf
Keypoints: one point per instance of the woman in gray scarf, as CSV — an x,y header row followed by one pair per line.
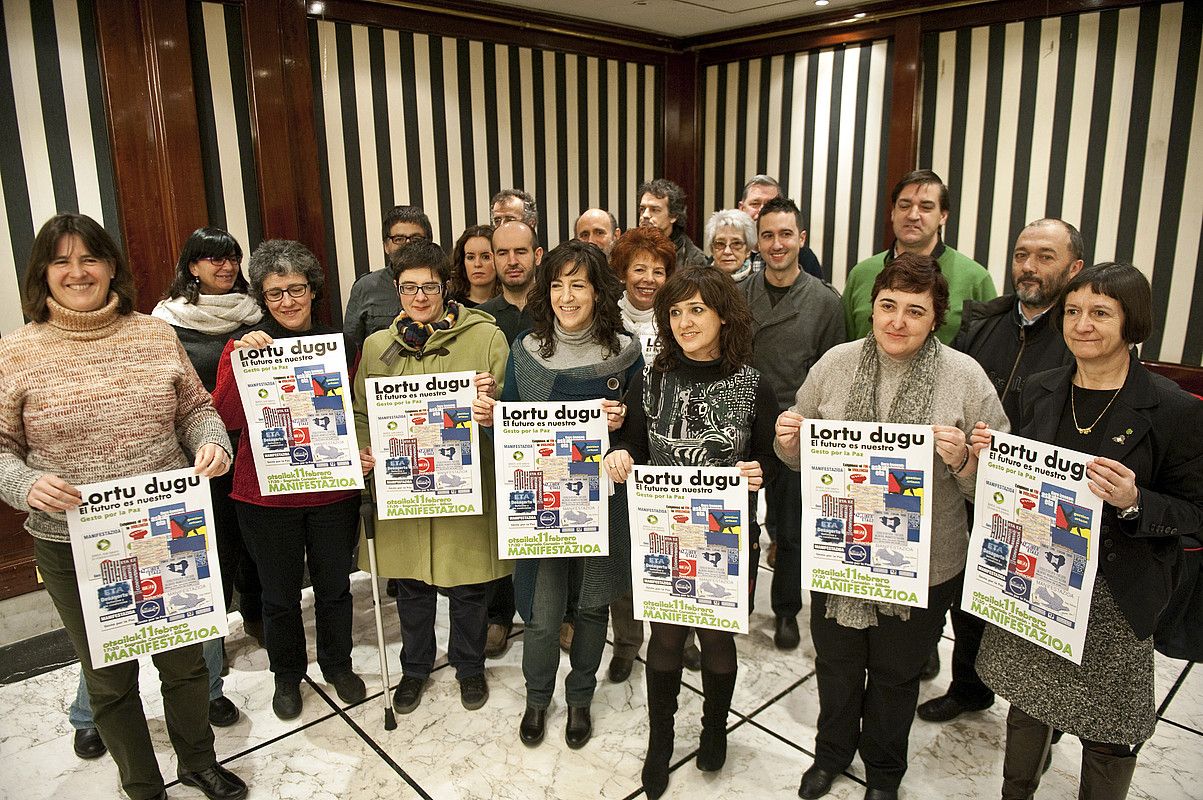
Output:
x,y
869,654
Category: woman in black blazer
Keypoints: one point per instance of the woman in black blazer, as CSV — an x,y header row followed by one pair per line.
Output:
x,y
1148,436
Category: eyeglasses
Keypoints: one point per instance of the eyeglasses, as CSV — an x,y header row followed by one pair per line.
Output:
x,y
401,239
501,219
221,262
425,288
297,290
734,246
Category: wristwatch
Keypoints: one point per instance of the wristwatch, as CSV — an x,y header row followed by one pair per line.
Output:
x,y
1131,512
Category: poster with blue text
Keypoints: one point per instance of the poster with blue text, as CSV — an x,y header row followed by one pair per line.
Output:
x,y
689,546
1033,545
426,446
552,500
297,399
866,514
146,562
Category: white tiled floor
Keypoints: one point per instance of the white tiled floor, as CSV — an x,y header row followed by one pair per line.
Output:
x,y
442,751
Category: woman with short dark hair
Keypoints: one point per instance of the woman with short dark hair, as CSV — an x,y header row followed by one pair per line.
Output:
x,y
576,350
699,404
868,654
1148,437
62,425
291,532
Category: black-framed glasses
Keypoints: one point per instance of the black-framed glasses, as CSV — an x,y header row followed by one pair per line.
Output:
x,y
296,290
402,239
427,289
221,262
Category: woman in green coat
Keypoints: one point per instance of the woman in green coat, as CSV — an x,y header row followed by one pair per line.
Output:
x,y
456,556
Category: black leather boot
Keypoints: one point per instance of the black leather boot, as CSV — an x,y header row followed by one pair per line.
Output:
x,y
1105,776
717,688
1028,741
662,691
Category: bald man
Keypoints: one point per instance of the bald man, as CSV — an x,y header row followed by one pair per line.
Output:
x,y
598,226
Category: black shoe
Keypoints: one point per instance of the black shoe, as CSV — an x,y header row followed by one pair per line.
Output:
x,y
408,694
286,702
786,636
88,743
497,640
474,691
222,712
533,726
348,686
390,587
579,728
816,782
932,668
947,707
620,669
691,659
217,782
881,794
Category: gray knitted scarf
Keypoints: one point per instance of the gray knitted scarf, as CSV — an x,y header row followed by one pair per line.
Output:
x,y
911,405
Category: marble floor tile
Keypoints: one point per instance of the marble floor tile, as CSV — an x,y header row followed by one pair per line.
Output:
x,y
34,711
1187,706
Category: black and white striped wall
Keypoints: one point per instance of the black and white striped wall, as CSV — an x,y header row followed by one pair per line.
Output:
x,y
444,123
818,122
56,156
1095,118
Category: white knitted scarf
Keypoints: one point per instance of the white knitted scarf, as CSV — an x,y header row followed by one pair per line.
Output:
x,y
211,313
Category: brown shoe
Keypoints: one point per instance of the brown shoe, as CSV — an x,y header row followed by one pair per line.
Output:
x,y
497,641
771,557
566,630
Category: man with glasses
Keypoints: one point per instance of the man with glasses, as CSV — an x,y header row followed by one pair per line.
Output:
x,y
514,205
373,303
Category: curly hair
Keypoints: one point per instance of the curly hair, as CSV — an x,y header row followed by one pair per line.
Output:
x,y
644,239
719,291
459,286
566,259
283,257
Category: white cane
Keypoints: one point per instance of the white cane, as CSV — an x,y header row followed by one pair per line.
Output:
x,y
368,511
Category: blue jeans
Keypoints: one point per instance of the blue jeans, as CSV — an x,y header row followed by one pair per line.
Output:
x,y
541,637
80,714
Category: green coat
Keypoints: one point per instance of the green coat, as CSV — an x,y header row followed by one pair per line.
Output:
x,y
440,551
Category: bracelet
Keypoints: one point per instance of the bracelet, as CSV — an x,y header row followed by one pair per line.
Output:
x,y
964,461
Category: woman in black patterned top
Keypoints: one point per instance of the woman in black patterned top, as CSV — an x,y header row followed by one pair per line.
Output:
x,y
700,405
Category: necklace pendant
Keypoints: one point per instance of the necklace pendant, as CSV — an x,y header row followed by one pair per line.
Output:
x,y
1085,431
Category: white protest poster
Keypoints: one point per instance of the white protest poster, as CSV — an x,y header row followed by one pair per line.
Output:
x,y
550,497
297,399
689,541
426,446
1032,555
146,562
866,518
650,343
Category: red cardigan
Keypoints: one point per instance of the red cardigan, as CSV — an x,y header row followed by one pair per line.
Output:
x,y
246,478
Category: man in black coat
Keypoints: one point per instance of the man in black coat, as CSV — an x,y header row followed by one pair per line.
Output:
x,y
1012,337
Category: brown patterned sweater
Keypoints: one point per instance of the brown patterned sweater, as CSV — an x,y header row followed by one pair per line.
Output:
x,y
95,396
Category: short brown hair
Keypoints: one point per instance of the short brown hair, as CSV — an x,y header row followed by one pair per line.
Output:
x,y
644,239
98,242
718,290
1126,285
921,177
911,272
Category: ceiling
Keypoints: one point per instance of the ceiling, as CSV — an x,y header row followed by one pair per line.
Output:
x,y
683,18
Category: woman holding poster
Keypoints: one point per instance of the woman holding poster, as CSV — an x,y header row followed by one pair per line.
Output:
x,y
698,404
453,555
287,532
869,654
62,424
575,350
1148,437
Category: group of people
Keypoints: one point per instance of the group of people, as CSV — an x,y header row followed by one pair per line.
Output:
x,y
711,356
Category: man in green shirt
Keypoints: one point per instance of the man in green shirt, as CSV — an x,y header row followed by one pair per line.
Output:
x,y
918,211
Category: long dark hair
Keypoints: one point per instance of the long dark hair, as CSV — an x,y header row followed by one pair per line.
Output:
x,y
718,291
459,286
569,257
205,243
99,243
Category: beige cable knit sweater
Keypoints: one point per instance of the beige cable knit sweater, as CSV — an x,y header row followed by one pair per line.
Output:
x,y
94,396
963,396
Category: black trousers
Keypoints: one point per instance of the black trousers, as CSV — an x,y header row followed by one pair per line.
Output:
x,y
784,498
967,685
238,570
869,685
283,541
416,604
499,597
